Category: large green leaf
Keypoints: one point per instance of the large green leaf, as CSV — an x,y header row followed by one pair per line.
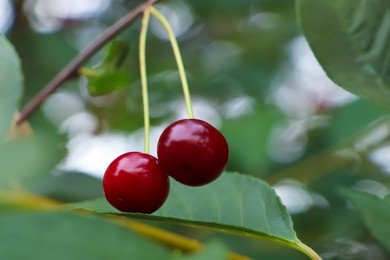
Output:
x,y
375,213
23,160
63,235
10,84
214,250
351,40
69,236
235,203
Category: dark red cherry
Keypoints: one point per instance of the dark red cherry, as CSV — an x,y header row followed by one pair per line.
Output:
x,y
192,151
134,182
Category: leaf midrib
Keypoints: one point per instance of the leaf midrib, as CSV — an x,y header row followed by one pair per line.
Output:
x,y
225,228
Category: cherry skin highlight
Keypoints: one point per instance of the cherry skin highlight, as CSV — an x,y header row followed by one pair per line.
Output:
x,y
134,182
192,152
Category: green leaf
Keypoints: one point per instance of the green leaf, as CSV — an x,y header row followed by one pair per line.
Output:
x,y
116,54
215,250
375,213
24,159
108,77
351,39
247,151
11,84
106,81
234,203
70,236
68,186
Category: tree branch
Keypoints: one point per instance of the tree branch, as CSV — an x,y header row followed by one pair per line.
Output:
x,y
71,69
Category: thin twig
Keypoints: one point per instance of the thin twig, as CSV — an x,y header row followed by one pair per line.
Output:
x,y
71,69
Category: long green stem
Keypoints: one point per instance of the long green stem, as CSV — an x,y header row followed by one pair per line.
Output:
x,y
144,82
178,58
308,251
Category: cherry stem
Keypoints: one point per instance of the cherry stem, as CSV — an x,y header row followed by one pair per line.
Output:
x,y
178,58
144,81
71,70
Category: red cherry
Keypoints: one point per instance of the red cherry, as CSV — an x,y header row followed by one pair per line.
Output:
x,y
134,182
192,151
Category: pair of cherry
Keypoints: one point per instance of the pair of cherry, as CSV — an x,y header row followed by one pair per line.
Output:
x,y
191,151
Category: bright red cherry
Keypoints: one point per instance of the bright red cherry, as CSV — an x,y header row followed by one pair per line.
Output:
x,y
134,182
192,151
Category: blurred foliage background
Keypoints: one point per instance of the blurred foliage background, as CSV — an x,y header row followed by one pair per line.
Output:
x,y
251,74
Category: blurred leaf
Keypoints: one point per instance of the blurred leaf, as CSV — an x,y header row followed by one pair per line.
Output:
x,y
106,81
345,155
350,40
23,159
20,200
249,145
11,84
69,236
210,8
68,186
367,111
375,213
214,250
117,52
234,203
108,76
